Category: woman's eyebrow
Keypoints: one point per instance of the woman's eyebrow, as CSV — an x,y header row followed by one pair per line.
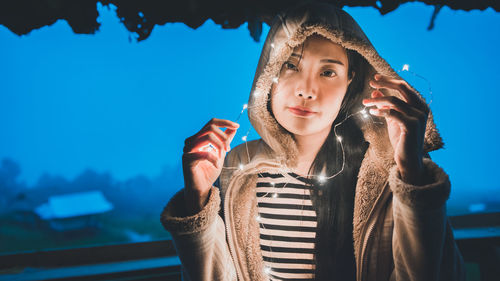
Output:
x,y
332,61
323,60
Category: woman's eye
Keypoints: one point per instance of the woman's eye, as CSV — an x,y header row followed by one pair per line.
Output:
x,y
329,73
289,65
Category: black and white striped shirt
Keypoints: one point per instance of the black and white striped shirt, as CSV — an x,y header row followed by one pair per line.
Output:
x,y
287,226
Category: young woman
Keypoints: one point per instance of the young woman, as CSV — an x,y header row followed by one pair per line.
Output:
x,y
339,187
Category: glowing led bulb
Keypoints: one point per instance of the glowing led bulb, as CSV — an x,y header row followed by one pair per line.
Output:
x,y
275,80
267,270
275,195
258,218
241,166
406,67
244,138
322,179
364,113
272,45
339,138
272,183
208,148
245,106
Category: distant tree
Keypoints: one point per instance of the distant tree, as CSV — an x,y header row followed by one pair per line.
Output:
x,y
138,196
9,185
9,171
92,180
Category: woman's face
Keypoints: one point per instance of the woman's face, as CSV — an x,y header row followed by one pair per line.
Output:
x,y
308,95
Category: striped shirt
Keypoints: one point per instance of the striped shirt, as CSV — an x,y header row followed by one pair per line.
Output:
x,y
287,226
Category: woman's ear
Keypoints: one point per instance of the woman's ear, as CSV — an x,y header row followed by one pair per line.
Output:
x,y
351,77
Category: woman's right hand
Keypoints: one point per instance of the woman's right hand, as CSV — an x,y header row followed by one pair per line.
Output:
x,y
201,166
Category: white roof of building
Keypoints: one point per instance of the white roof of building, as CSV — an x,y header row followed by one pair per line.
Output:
x,y
73,205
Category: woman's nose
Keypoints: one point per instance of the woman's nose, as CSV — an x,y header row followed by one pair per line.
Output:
x,y
305,95
306,87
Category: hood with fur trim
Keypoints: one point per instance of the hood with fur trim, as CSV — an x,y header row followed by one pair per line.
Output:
x,y
289,30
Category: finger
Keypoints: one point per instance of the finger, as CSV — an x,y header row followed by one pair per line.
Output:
x,y
385,83
222,123
230,136
393,102
192,158
403,120
226,136
210,129
219,133
402,87
377,93
213,123
209,138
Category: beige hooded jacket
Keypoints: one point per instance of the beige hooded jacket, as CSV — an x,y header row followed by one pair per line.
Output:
x,y
400,231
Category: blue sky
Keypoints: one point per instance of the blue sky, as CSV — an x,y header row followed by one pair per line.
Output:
x,y
70,102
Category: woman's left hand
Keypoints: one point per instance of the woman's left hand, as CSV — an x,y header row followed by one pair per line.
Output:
x,y
406,122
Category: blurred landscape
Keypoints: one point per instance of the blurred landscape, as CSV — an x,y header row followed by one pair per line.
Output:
x,y
137,204
134,217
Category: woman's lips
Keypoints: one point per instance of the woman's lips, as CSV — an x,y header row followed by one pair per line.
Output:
x,y
303,112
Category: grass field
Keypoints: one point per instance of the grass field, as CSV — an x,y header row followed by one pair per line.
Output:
x,y
17,236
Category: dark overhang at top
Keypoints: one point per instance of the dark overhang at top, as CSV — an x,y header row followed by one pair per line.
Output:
x,y
141,16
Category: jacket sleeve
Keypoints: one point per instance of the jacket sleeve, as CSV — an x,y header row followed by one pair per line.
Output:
x,y
423,245
200,239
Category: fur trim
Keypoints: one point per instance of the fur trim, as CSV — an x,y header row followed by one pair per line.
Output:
x,y
372,177
288,32
249,226
429,196
241,211
173,221
278,148
284,38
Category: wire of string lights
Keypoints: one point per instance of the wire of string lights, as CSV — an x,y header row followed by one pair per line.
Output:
x,y
321,177
363,112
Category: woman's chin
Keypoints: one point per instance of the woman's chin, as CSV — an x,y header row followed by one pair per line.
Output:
x,y
304,126
303,130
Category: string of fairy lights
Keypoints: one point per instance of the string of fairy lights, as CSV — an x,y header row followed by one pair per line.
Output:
x,y
286,170
321,178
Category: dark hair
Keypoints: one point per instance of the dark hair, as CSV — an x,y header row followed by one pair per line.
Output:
x,y
333,200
